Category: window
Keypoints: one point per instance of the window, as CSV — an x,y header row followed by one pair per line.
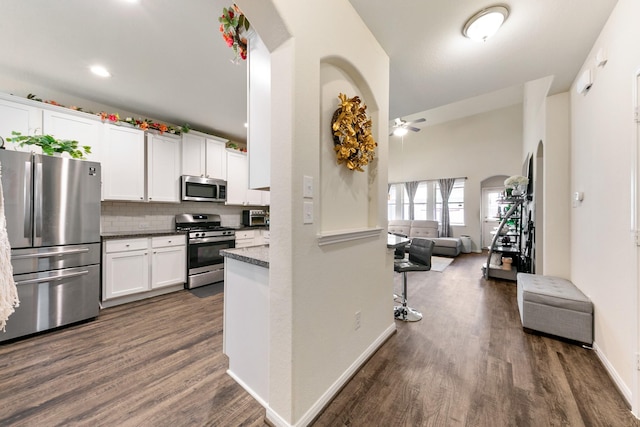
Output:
x,y
423,202
456,203
398,204
427,203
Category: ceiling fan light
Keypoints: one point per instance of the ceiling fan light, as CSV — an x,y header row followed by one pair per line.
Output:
x,y
400,131
485,23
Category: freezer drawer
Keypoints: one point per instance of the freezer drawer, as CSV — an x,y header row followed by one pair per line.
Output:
x,y
54,258
54,298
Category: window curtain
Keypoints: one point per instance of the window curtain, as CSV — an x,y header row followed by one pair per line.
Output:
x,y
412,188
446,186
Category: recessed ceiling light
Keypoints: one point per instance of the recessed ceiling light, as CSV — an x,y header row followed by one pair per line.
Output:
x,y
99,70
485,23
246,124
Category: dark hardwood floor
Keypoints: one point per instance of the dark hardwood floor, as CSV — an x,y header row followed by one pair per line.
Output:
x,y
469,363
159,362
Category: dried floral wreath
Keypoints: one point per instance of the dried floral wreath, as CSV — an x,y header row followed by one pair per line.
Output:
x,y
353,142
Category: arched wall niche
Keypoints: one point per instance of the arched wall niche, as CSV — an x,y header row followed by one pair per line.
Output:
x,y
343,190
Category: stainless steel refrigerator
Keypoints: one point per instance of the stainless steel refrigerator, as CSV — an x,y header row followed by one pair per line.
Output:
x,y
52,207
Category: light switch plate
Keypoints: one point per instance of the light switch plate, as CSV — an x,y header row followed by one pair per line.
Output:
x,y
307,187
307,212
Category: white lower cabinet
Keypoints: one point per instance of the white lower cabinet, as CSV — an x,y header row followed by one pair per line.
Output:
x,y
139,268
255,237
126,267
245,238
169,261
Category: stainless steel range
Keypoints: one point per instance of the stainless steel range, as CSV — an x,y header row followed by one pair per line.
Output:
x,y
206,239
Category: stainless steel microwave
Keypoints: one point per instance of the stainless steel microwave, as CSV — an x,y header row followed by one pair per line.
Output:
x,y
200,189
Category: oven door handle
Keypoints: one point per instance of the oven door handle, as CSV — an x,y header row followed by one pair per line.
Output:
x,y
212,240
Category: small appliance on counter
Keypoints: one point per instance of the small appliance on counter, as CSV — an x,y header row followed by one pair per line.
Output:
x,y
206,239
255,218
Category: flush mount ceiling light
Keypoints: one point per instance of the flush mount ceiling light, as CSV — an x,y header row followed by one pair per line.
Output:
x,y
99,70
485,23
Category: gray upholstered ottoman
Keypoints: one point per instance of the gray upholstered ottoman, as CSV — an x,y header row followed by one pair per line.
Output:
x,y
554,306
448,246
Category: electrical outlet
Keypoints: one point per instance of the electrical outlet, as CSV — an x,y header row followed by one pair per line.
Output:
x,y
357,320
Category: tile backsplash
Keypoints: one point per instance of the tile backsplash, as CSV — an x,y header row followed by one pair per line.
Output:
x,y
135,216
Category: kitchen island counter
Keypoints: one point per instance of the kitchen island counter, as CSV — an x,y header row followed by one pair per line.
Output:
x,y
256,255
246,318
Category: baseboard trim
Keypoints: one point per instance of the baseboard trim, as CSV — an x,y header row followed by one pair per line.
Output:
x,y
620,385
316,409
247,388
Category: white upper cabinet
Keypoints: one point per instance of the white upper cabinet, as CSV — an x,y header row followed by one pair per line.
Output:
x,y
237,178
238,192
193,154
203,155
85,129
163,168
216,164
123,159
259,113
19,118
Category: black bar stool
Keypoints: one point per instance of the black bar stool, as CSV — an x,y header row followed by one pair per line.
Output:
x,y
419,260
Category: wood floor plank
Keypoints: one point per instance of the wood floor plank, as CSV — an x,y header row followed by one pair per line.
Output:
x,y
159,363
471,364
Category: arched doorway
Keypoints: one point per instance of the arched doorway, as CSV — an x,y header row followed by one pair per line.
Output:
x,y
537,255
491,190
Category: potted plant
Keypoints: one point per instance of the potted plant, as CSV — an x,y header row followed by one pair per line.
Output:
x,y
517,183
51,145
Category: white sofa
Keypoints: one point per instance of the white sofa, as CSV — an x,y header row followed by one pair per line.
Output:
x,y
448,246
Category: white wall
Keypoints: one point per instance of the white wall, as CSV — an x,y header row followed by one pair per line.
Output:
x,y
603,153
555,259
534,112
476,147
316,290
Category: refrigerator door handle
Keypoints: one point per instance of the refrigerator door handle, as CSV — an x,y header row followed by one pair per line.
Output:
x,y
26,182
51,254
52,278
37,200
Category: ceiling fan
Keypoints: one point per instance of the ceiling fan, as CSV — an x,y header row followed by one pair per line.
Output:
x,y
401,127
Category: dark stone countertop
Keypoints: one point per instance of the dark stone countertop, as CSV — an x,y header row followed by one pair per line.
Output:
x,y
256,255
139,233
